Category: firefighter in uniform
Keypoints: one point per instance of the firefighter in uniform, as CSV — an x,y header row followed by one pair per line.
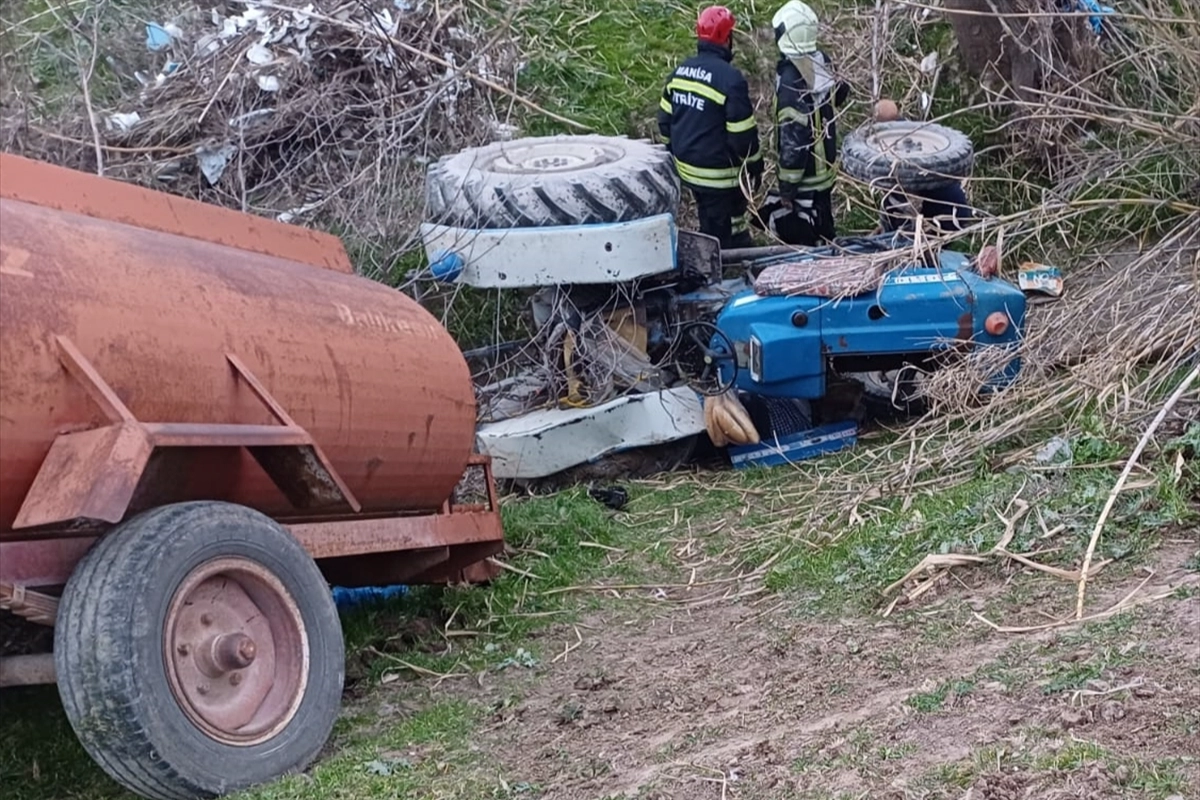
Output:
x,y
707,122
807,100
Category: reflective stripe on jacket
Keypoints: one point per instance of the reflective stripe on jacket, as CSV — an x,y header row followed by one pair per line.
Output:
x,y
706,119
806,126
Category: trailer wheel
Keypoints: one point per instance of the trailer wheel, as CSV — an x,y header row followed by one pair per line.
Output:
x,y
552,180
917,155
199,652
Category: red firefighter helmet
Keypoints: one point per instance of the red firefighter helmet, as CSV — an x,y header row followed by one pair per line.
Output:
x,y
715,25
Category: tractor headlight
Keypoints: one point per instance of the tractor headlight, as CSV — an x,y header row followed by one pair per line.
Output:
x,y
755,359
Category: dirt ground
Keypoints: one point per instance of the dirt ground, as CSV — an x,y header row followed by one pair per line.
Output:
x,y
754,702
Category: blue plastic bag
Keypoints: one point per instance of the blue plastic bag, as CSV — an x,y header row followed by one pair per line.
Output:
x,y
345,598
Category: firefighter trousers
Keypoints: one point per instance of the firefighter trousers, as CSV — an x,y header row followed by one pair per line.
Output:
x,y
809,222
722,214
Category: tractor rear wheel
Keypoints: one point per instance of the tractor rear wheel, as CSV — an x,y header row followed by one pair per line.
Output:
x,y
552,180
891,396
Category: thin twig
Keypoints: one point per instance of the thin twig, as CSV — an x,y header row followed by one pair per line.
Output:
x,y
1116,490
85,80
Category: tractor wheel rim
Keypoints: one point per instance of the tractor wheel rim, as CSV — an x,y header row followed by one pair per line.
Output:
x,y
236,651
909,142
550,157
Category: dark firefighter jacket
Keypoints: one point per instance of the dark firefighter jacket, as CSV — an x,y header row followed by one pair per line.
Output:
x,y
706,120
806,127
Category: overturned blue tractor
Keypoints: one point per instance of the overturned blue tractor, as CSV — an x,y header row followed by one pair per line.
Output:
x,y
638,324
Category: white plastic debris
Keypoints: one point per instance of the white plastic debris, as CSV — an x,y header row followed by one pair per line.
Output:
x,y
504,131
207,44
929,63
243,121
1055,451
122,122
213,160
302,17
257,54
292,213
268,83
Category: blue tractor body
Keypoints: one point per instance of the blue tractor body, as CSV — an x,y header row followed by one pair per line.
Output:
x,y
786,346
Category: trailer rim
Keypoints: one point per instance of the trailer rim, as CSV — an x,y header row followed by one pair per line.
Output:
x,y
236,651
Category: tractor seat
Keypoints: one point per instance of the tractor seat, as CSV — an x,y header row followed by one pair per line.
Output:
x,y
834,276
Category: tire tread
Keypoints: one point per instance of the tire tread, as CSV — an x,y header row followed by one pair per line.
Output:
x,y
98,673
641,184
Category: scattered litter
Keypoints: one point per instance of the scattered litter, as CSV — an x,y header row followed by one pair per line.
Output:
x,y
1055,451
122,122
929,63
345,598
324,76
613,497
504,132
1097,15
257,54
158,37
213,161
248,119
1040,279
292,213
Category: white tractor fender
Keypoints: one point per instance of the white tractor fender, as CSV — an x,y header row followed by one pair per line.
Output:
x,y
551,255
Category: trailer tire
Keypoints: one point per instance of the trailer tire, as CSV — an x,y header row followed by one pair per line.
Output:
x,y
917,155
552,180
152,629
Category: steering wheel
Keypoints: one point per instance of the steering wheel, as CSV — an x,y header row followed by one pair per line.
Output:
x,y
696,355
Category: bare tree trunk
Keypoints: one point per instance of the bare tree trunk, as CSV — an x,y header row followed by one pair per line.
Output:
x,y
1018,56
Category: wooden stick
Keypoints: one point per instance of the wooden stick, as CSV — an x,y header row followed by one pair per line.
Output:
x,y
1116,490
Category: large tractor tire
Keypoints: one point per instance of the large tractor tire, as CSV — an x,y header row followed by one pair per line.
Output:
x,y
915,155
199,652
552,180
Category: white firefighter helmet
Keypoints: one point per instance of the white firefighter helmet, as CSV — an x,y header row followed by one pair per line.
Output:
x,y
795,27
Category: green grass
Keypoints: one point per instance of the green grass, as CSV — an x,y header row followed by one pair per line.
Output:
x,y
964,519
568,540
935,700
603,64
1040,755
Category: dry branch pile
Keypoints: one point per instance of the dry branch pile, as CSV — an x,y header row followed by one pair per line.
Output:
x,y
326,111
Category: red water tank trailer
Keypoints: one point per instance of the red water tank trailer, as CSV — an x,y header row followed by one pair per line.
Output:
x,y
204,417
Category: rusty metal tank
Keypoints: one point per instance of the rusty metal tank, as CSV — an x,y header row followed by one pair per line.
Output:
x,y
373,377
